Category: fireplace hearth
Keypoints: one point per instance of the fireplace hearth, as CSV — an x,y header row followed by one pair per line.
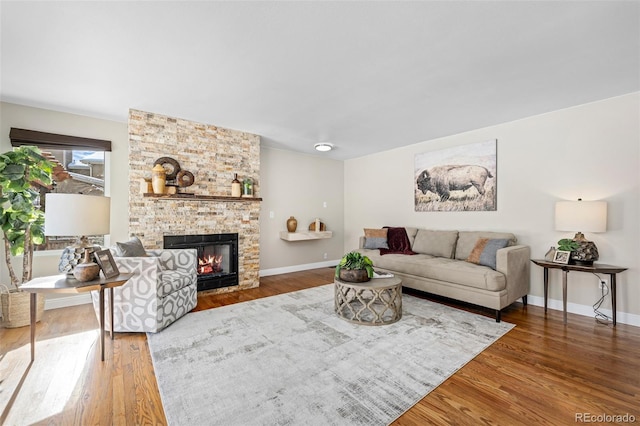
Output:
x,y
217,257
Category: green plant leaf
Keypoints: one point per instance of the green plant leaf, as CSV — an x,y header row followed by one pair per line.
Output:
x,y
355,260
20,170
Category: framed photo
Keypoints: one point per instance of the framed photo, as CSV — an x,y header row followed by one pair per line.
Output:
x,y
562,256
105,260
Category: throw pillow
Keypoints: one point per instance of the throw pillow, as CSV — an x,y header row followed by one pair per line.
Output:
x,y
375,238
131,248
484,252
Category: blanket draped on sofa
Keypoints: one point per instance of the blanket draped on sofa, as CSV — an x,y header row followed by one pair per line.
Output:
x,y
398,242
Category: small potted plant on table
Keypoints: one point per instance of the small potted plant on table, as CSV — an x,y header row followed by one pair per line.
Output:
x,y
354,267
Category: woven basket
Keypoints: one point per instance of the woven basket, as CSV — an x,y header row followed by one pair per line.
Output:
x,y
16,307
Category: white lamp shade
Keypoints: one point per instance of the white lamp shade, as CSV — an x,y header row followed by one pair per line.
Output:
x,y
76,215
581,216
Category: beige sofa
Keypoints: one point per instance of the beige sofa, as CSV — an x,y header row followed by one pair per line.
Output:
x,y
440,267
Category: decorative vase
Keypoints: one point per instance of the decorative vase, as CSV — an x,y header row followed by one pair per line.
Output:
x,y
292,224
158,179
235,186
550,254
354,275
87,270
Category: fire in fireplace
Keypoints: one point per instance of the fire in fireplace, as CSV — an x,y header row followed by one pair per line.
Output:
x,y
210,265
217,257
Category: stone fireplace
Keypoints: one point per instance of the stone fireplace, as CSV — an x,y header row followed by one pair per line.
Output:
x,y
213,155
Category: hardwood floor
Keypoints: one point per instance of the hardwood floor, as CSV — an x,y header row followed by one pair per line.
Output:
x,y
541,372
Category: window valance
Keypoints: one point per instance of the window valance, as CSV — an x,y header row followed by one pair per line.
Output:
x,y
54,141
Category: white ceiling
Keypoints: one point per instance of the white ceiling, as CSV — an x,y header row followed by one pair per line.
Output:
x,y
365,76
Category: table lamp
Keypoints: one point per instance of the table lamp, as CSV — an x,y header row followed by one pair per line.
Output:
x,y
578,216
81,215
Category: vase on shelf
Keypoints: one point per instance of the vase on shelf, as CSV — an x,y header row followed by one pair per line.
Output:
x,y
292,224
235,186
158,179
247,187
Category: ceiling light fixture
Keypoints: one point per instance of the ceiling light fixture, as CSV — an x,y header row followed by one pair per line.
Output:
x,y
323,147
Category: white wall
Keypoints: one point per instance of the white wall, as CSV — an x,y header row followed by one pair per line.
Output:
x,y
590,151
299,185
116,181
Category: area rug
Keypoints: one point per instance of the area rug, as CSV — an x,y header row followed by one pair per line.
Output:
x,y
289,360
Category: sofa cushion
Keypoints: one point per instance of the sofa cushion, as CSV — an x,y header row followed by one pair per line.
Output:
x,y
464,273
435,243
411,233
171,281
484,252
375,238
467,241
440,269
396,262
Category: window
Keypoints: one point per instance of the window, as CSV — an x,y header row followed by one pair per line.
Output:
x,y
79,169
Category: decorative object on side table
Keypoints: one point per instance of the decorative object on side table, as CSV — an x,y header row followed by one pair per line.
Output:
x,y
292,224
581,216
550,254
86,270
354,267
23,172
106,263
561,256
76,214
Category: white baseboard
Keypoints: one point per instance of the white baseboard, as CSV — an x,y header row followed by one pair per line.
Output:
x,y
63,302
585,310
296,268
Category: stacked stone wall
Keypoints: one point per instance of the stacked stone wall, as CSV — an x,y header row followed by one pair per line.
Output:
x,y
213,154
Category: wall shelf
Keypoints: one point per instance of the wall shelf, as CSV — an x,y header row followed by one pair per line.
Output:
x,y
305,235
197,197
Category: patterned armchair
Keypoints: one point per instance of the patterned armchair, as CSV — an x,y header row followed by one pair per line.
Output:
x,y
163,289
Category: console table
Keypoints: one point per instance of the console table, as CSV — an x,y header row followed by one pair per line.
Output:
x,y
596,268
68,284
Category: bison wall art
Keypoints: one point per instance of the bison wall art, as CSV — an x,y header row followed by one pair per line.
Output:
x,y
462,178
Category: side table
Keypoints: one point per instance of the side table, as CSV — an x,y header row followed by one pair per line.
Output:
x,y
68,284
596,268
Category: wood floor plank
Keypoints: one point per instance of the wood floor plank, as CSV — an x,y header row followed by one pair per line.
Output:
x,y
541,372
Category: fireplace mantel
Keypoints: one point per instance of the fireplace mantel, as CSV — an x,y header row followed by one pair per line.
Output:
x,y
196,197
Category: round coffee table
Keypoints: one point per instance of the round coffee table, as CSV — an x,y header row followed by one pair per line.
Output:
x,y
375,302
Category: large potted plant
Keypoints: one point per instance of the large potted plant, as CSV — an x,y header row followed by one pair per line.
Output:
x,y
354,267
22,171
